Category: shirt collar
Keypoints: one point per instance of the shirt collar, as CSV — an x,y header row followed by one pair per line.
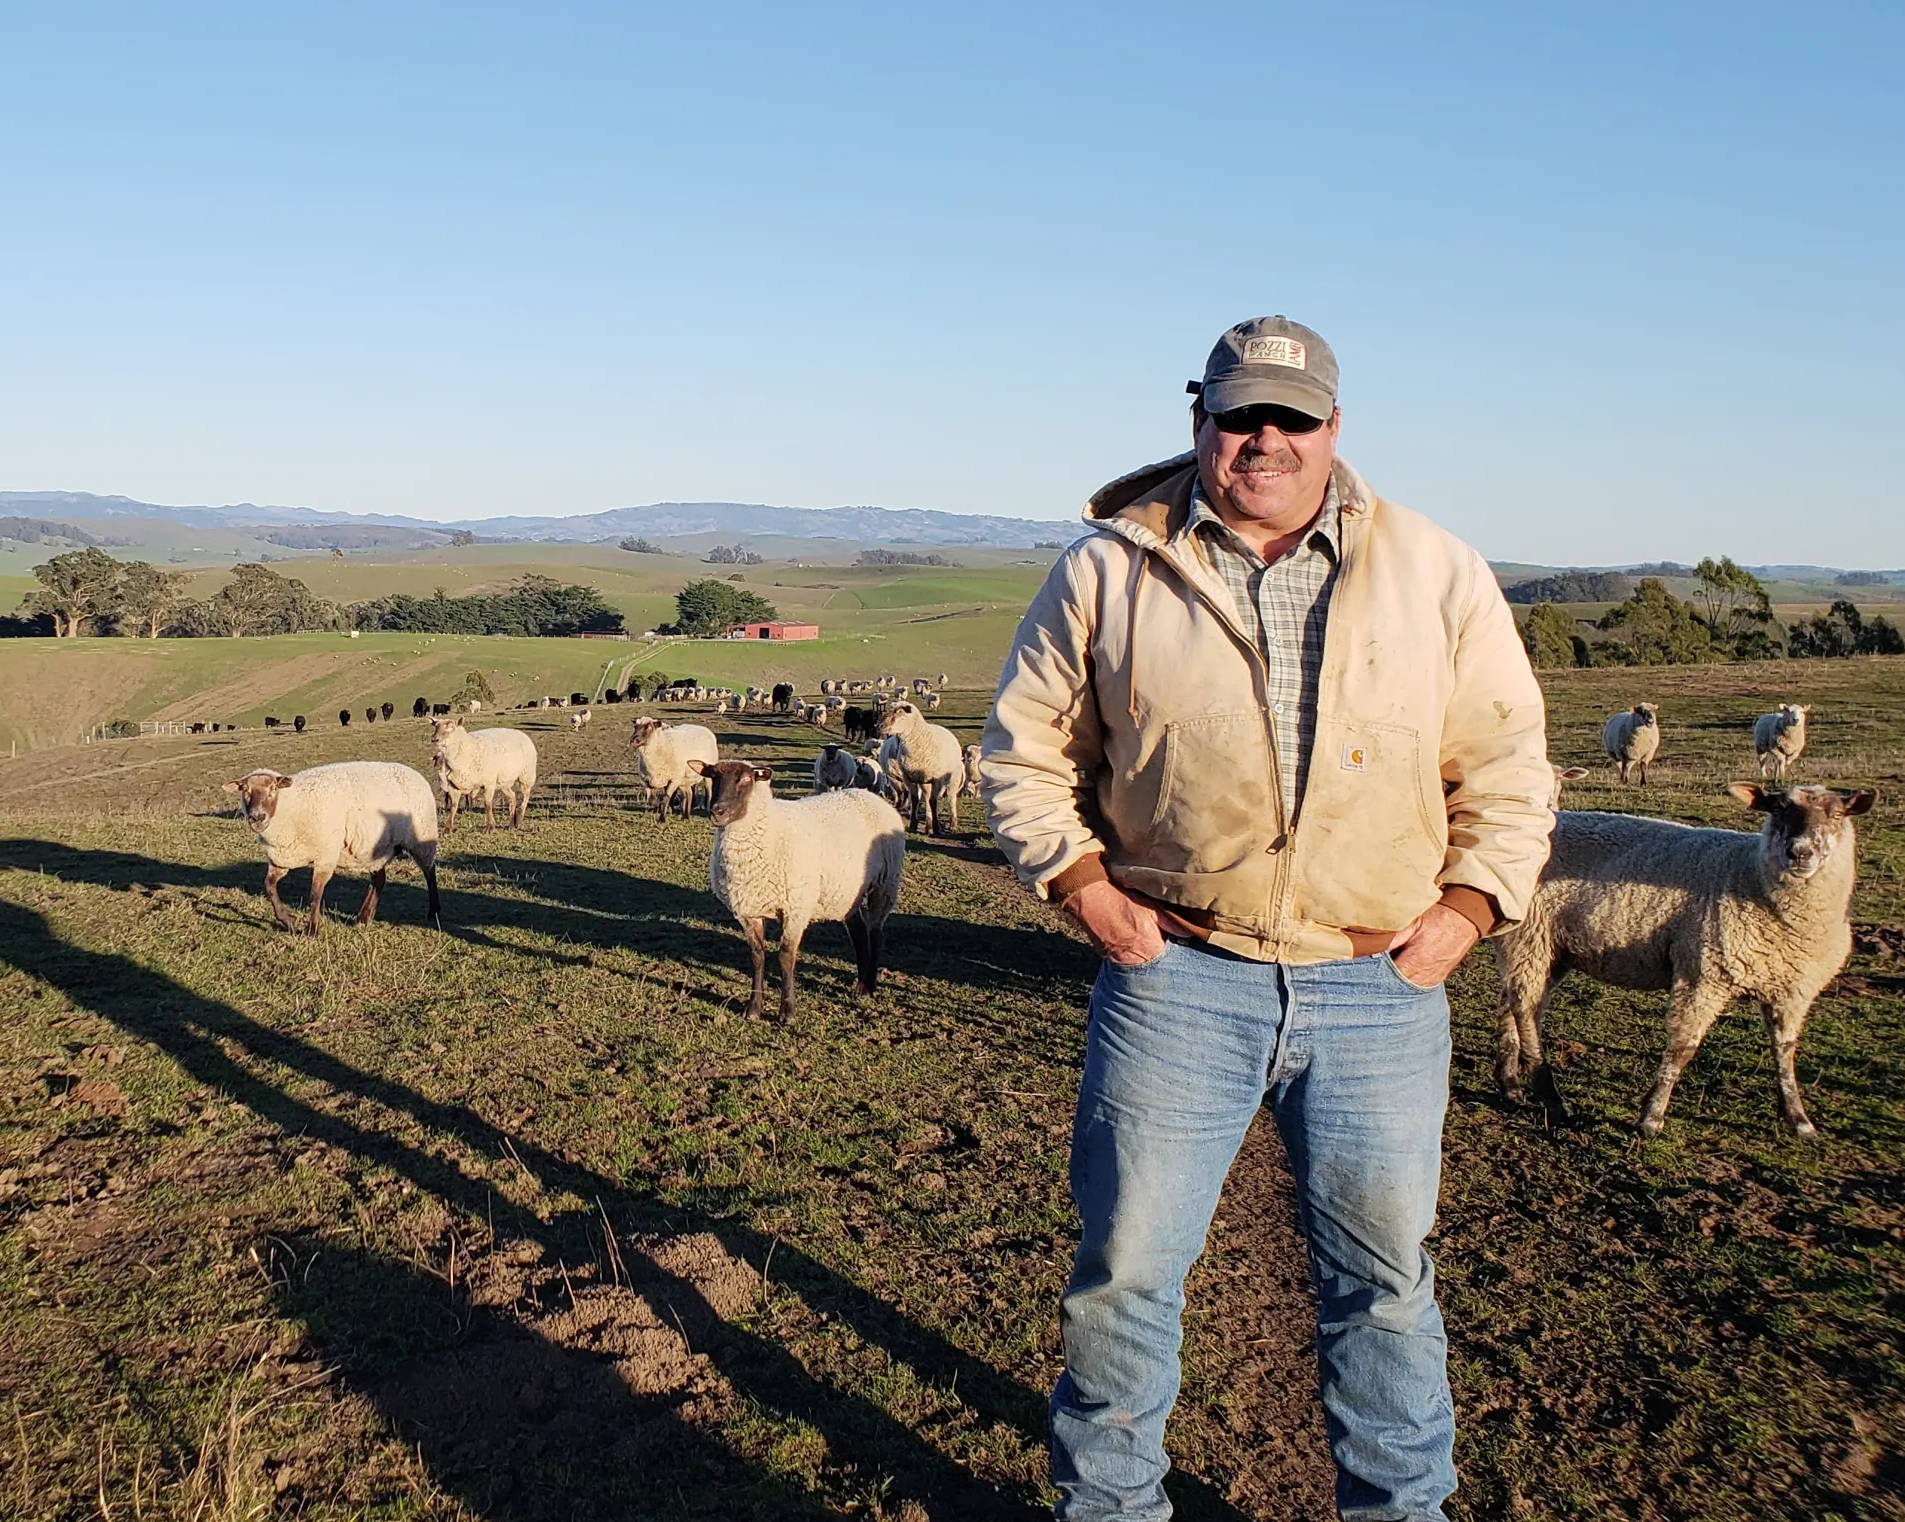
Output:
x,y
1327,528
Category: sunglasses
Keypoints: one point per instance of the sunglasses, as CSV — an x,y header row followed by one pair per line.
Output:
x,y
1286,420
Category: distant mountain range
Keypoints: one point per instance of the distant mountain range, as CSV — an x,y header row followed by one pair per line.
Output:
x,y
879,525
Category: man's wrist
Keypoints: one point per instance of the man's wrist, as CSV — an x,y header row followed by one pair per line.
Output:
x,y
1473,905
1080,875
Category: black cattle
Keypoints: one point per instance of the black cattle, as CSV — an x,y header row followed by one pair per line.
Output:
x,y
344,717
613,695
271,723
419,708
198,729
578,700
298,723
388,710
439,708
859,722
783,697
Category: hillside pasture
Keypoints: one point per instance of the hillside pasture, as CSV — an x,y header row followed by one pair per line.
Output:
x,y
523,1221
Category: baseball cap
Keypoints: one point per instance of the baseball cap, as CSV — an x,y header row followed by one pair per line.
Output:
x,y
1269,359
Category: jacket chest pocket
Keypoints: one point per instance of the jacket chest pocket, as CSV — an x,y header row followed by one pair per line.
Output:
x,y
1214,797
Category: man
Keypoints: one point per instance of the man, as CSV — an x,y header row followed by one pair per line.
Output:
x,y
1274,743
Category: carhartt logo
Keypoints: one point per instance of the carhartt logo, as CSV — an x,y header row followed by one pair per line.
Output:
x,y
1277,351
1355,759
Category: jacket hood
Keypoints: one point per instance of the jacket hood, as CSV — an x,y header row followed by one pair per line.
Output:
x,y
1150,504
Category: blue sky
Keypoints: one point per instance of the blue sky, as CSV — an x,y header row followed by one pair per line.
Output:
x,y
1607,282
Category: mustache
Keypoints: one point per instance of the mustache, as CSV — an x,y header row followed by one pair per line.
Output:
x,y
1257,459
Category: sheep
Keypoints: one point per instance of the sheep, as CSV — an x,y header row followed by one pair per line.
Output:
x,y
419,708
1712,915
838,856
486,761
664,751
581,717
940,680
921,686
926,757
929,701
814,713
1561,774
474,705
969,788
1633,738
868,774
1778,739
388,709
834,768
344,717
357,815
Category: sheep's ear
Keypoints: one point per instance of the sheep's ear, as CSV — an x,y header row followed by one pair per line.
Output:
x,y
1858,802
1573,774
699,768
763,774
1754,796
233,787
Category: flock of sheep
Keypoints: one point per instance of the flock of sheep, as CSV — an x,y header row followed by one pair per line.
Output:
x,y
1709,915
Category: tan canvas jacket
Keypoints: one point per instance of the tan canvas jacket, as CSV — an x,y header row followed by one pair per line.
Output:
x,y
1131,721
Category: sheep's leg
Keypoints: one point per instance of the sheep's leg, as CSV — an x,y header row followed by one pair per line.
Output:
x,y
859,931
1694,1009
1643,772
320,879
756,931
455,801
424,854
489,804
273,875
1784,1022
521,810
1623,773
367,911
791,933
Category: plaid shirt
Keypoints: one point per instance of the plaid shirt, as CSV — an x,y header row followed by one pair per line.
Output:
x,y
1286,606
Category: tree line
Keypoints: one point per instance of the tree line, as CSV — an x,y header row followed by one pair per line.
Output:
x,y
87,591
1729,618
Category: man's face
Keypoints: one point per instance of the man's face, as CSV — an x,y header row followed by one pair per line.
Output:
x,y
1267,476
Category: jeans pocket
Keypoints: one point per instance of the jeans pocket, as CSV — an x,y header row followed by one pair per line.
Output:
x,y
1163,951
1388,960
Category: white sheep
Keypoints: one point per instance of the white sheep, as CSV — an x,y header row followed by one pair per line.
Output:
x,y
867,774
1712,915
834,767
1633,738
580,717
1561,774
486,762
1779,738
927,760
664,753
358,815
969,786
929,701
836,856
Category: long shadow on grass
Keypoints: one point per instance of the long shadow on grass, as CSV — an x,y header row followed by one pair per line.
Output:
x,y
222,1047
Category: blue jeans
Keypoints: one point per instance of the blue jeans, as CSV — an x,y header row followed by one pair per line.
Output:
x,y
1180,1055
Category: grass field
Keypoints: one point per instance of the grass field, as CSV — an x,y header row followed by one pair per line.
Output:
x,y
523,1221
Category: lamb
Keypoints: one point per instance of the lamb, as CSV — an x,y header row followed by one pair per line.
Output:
x,y
927,760
664,753
1712,915
1778,739
358,815
486,761
969,788
1633,738
580,717
837,856
834,767
868,774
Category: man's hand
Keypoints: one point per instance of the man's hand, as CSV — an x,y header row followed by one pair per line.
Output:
x,y
1124,930
1432,946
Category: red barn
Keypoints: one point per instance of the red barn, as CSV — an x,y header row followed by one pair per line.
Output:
x,y
778,629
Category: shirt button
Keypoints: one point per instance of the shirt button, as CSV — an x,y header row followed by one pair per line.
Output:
x,y
1276,708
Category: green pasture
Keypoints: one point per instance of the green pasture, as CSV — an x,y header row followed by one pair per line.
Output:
x,y
523,1221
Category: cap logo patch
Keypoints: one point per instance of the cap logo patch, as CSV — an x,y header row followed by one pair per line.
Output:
x,y
1291,352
